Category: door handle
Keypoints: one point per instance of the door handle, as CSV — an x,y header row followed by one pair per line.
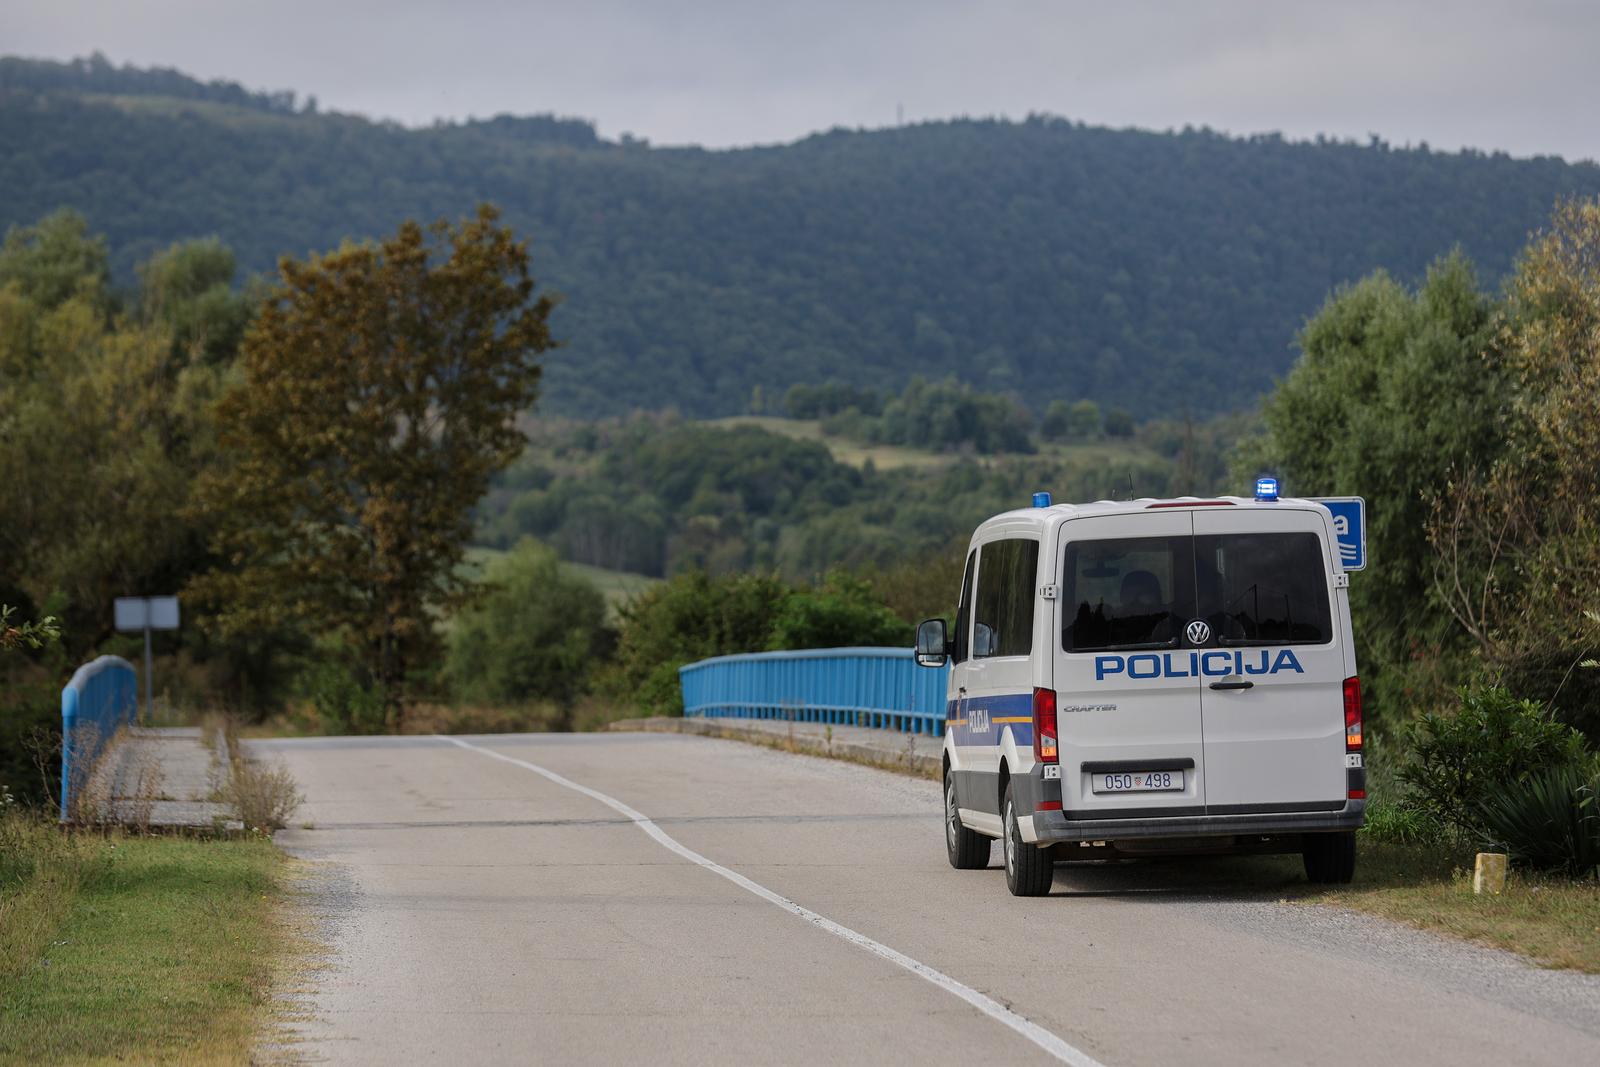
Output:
x,y
1233,685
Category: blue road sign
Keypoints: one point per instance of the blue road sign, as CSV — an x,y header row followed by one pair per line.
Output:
x,y
1350,527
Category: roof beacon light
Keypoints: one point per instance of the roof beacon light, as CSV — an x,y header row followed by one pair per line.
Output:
x,y
1041,500
1266,489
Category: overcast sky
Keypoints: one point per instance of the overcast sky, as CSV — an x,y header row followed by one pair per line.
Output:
x,y
1520,76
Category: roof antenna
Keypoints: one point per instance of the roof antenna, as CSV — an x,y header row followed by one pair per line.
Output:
x,y
1130,485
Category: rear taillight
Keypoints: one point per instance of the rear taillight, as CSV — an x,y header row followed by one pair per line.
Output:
x,y
1044,724
1352,715
1357,789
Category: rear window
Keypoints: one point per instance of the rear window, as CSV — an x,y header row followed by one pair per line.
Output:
x,y
1127,593
1264,589
1252,589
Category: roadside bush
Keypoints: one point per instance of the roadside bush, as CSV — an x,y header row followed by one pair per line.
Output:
x,y
1401,824
264,796
695,615
535,635
344,705
1391,818
690,617
843,612
1550,820
1491,742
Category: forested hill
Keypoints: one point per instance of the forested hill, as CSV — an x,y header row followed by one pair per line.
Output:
x,y
1157,272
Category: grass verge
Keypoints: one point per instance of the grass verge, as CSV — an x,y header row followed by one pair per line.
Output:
x,y
134,949
1551,920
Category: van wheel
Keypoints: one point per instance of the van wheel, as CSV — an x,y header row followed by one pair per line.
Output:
x,y
968,850
1029,869
1330,858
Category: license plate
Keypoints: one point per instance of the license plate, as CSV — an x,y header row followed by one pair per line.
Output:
x,y
1138,782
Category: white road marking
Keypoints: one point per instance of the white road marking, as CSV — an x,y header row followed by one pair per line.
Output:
x,y
1041,1037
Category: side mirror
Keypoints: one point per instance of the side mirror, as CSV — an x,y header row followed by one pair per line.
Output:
x,y
933,647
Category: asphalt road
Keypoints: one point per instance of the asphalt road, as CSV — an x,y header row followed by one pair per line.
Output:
x,y
614,898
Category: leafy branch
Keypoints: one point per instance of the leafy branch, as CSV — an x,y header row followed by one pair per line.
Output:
x,y
14,635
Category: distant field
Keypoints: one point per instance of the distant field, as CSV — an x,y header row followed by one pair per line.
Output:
x,y
855,453
616,586
898,457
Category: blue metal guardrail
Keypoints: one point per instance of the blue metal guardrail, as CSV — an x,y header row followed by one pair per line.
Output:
x,y
880,687
100,699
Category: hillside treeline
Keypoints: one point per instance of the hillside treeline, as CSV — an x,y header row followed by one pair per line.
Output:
x,y
1044,259
657,495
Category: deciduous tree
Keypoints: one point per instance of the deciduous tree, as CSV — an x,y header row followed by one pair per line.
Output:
x,y
381,385
1519,539
1391,395
104,423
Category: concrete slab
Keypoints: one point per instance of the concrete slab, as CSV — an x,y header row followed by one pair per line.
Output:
x,y
168,777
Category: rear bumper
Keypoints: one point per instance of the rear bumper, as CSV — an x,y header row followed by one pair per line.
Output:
x,y
1053,827
1050,827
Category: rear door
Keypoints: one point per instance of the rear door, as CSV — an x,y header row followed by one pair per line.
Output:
x,y
1272,697
1127,691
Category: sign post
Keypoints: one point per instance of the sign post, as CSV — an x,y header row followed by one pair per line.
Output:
x,y
147,613
1350,527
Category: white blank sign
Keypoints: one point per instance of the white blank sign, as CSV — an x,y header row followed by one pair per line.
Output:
x,y
146,612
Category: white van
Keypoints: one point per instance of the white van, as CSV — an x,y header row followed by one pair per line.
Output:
x,y
1151,677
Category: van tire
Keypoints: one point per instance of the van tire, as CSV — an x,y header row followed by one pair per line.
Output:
x,y
1029,869
1330,858
968,850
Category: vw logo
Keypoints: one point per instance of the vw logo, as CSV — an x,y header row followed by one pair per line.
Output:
x,y
1198,632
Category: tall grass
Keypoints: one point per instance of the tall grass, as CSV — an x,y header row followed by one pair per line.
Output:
x,y
41,869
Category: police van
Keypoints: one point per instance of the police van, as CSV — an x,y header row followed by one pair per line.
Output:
x,y
1151,677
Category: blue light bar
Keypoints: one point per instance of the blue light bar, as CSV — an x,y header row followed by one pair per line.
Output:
x,y
1041,500
1266,488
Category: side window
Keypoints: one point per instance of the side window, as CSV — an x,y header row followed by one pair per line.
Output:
x,y
1003,606
964,612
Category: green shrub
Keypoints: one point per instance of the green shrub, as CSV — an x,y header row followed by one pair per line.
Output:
x,y
694,616
843,612
685,619
344,704
1401,824
1549,820
535,635
1492,741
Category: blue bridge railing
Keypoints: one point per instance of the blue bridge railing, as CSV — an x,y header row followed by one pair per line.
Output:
x,y
880,687
101,698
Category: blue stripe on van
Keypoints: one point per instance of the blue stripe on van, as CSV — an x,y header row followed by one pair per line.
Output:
x,y
984,718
